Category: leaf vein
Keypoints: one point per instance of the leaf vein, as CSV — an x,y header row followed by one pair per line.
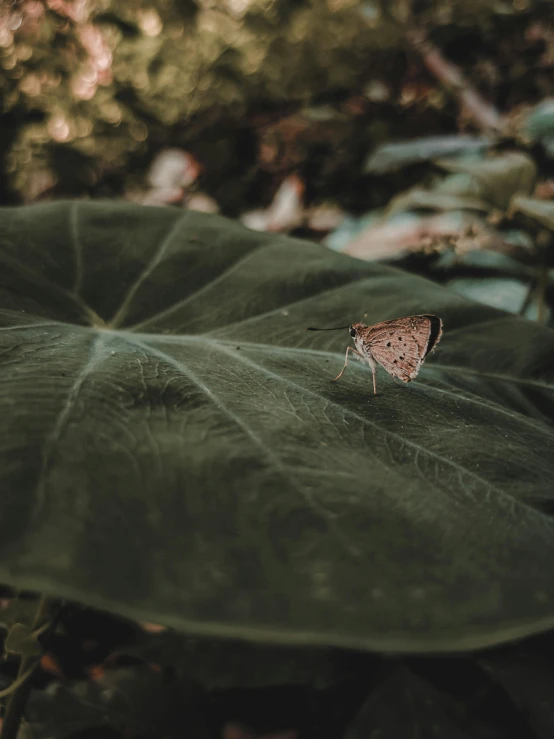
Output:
x,y
160,253
60,422
192,296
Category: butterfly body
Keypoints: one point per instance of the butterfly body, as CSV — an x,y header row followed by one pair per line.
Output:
x,y
399,345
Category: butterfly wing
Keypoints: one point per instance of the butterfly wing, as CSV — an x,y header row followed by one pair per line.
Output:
x,y
435,332
401,345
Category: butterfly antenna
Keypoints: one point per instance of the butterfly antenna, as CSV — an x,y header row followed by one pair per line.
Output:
x,y
337,328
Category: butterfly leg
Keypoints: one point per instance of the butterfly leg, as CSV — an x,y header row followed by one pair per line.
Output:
x,y
373,372
349,349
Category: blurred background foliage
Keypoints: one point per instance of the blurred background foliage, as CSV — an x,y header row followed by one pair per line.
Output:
x,y
329,119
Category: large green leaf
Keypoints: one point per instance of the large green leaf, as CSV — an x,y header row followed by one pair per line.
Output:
x,y
171,448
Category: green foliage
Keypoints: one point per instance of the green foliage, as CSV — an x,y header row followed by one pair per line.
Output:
x,y
478,184
484,229
21,640
495,180
173,451
538,125
542,211
396,155
506,293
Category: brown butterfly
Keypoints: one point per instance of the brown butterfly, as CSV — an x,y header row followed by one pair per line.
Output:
x,y
399,346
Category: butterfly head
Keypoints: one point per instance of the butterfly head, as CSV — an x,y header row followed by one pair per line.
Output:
x,y
354,329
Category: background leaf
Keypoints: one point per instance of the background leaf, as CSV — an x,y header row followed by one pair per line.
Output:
x,y
172,449
506,293
539,125
391,156
420,199
219,663
137,700
540,210
496,179
529,679
20,640
403,704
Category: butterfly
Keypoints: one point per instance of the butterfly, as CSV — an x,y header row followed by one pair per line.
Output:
x,y
399,346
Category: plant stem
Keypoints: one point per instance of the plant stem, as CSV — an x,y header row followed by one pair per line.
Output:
x,y
481,112
23,682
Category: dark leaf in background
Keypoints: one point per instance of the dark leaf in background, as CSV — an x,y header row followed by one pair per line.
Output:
x,y
172,449
392,156
529,680
138,700
61,711
221,663
402,704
